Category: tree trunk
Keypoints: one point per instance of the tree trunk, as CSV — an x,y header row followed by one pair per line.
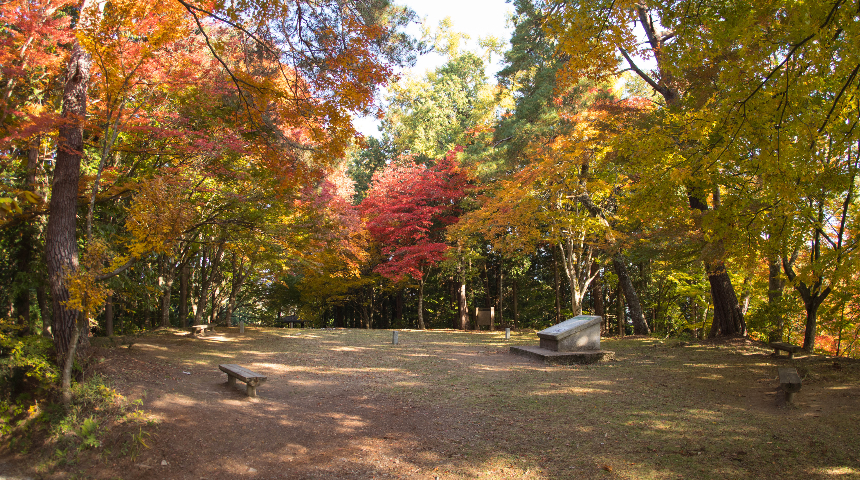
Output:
x,y
462,308
813,296
621,316
728,318
557,280
640,326
516,291
597,290
501,317
43,310
775,287
109,315
421,302
183,296
61,247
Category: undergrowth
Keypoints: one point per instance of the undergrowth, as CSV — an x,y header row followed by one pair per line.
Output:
x,y
33,420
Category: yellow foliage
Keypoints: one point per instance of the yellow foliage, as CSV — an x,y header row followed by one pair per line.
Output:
x,y
157,218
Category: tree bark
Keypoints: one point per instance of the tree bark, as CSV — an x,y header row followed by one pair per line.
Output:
x,y
640,325
728,317
462,309
61,247
421,302
183,296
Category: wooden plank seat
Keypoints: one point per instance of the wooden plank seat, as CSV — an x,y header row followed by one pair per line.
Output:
x,y
785,347
251,379
290,320
201,329
790,382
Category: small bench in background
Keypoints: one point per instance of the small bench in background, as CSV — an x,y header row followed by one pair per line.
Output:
x,y
789,382
785,347
290,320
251,379
201,329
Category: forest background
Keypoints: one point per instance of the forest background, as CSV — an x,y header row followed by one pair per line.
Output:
x,y
676,167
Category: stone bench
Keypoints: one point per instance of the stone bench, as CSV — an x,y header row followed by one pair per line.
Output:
x,y
789,382
785,347
290,320
251,379
201,329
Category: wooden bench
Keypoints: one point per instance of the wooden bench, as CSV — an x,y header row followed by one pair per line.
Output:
x,y
290,320
252,379
785,347
201,329
789,382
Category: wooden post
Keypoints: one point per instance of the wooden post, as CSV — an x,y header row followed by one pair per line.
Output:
x,y
394,337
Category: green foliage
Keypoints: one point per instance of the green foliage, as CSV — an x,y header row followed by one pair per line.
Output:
x,y
88,433
24,358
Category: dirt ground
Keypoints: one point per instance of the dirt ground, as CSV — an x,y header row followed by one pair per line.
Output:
x,y
348,404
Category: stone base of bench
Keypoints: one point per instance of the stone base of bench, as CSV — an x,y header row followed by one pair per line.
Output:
x,y
551,357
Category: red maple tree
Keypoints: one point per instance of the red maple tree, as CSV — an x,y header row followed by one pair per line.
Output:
x,y
408,210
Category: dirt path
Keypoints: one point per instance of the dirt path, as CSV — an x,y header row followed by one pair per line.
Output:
x,y
302,424
453,405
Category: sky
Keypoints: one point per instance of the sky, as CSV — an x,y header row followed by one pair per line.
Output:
x,y
476,18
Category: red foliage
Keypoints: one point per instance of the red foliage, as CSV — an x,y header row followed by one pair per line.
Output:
x,y
408,210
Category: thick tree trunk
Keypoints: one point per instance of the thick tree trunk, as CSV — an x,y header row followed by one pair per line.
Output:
x,y
462,309
640,325
61,247
728,317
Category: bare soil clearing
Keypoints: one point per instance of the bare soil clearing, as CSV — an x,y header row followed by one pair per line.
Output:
x,y
454,405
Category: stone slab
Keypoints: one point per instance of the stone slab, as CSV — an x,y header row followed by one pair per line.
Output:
x,y
563,358
573,335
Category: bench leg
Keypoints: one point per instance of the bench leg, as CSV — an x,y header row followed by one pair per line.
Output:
x,y
231,380
790,355
789,396
251,390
